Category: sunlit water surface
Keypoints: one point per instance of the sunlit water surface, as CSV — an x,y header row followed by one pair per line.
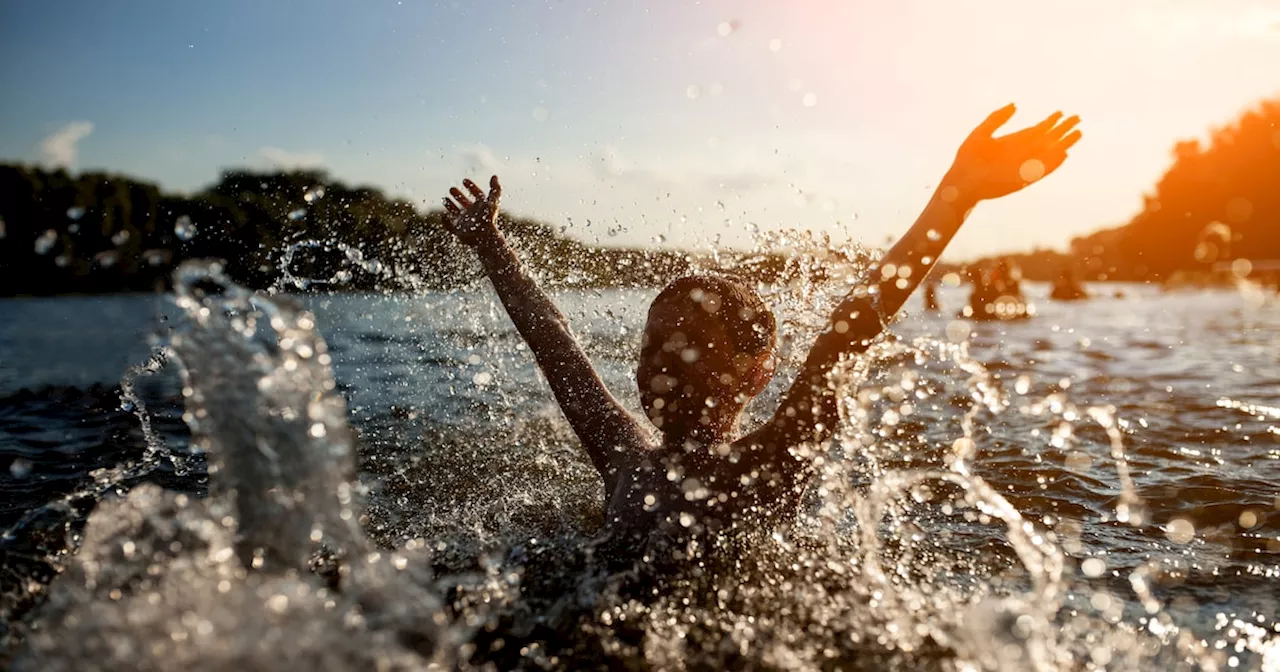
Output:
x,y
1094,488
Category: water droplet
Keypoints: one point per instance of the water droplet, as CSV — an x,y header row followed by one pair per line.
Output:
x,y
121,237
1239,210
1093,567
932,234
155,257
725,28
46,241
106,258
957,331
482,378
692,91
1180,531
540,114
1031,170
20,467
184,228
277,603
775,45
75,212
810,99
1022,385
297,214
1206,252
313,194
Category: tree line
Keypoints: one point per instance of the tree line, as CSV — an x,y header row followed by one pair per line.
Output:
x,y
97,232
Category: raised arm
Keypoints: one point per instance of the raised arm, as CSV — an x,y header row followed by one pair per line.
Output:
x,y
985,167
600,422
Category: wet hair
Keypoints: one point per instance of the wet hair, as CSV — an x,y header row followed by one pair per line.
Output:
x,y
735,306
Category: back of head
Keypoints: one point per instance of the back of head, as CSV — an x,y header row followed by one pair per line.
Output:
x,y
708,347
712,299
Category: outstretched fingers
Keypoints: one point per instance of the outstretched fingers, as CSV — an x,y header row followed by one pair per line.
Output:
x,y
1057,133
495,189
1067,142
460,197
452,209
1047,125
1033,136
1057,153
476,191
994,121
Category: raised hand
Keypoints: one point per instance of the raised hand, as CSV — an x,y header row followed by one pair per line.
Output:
x,y
990,167
471,220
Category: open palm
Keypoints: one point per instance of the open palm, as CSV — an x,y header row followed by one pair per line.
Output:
x,y
990,167
471,220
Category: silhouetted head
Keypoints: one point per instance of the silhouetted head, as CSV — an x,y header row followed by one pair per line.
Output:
x,y
707,349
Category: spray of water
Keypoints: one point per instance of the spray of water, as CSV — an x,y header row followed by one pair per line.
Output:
x,y
904,555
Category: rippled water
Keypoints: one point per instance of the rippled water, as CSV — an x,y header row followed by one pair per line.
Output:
x,y
972,513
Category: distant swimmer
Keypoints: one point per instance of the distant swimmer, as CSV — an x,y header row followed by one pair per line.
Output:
x,y
1068,288
708,347
997,294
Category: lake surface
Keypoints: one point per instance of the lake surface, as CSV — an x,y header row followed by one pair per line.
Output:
x,y
460,443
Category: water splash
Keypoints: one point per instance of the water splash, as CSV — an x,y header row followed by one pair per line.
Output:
x,y
132,402
906,554
272,568
260,400
353,257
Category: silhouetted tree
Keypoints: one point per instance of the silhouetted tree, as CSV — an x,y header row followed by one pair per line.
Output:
x,y
98,232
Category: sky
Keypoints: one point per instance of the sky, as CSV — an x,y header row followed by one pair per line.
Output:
x,y
679,124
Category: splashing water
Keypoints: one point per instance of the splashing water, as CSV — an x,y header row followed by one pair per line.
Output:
x,y
210,582
480,549
184,228
353,257
46,241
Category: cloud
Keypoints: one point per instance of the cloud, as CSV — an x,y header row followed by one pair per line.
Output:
x,y
286,160
609,165
59,149
479,159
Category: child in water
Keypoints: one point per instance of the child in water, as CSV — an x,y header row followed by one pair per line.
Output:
x,y
708,348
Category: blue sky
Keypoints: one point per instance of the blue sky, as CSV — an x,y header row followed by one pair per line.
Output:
x,y
674,123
